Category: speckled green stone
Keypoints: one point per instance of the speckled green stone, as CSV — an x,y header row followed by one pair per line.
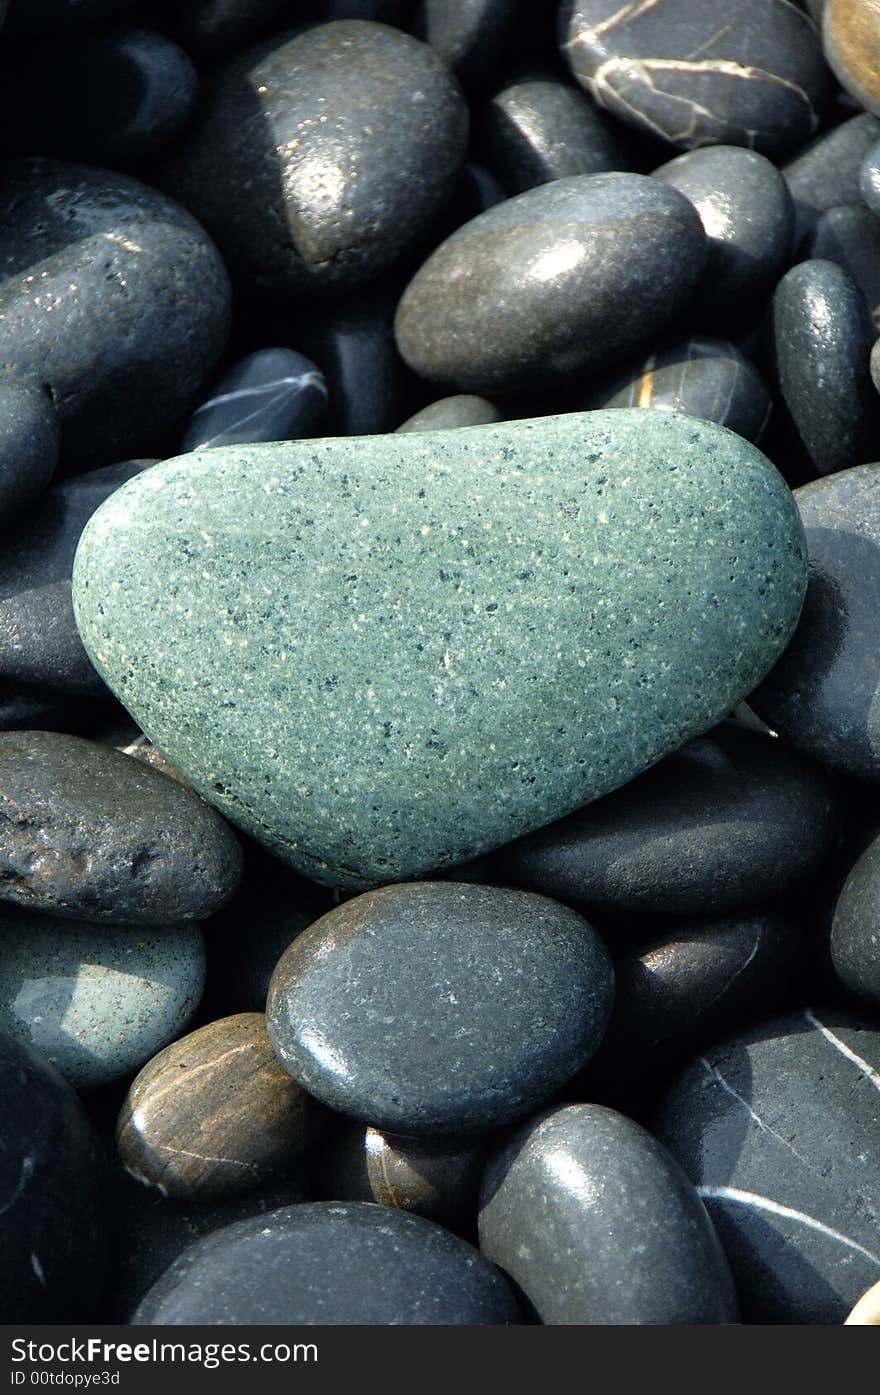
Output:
x,y
383,656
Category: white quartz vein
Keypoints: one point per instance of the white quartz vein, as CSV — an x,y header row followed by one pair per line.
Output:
x,y
734,1094
763,1203
867,1070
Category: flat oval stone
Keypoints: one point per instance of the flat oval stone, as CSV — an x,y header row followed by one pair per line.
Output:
x,y
511,668
822,695
51,1178
140,268
599,1225
453,412
822,339
852,48
826,172
321,156
271,395
850,236
854,941
706,378
538,128
358,1264
732,819
778,1129
440,1007
557,281
434,1177
97,1001
91,834
214,1114
747,212
29,444
695,73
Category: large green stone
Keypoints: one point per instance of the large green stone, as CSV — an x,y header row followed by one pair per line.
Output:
x,y
382,656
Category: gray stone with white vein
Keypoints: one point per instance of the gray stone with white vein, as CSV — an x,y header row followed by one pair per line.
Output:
x,y
271,395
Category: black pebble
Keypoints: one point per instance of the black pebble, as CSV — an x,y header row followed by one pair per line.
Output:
x,y
826,172
850,236
272,395
855,927
29,442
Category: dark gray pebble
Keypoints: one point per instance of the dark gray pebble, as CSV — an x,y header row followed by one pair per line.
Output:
x,y
272,395
826,172
92,834
213,29
599,1225
869,172
469,35
850,236
449,412
855,927
440,1007
731,819
29,442
330,1264
779,1128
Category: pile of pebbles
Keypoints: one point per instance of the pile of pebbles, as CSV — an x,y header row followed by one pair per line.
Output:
x,y
439,661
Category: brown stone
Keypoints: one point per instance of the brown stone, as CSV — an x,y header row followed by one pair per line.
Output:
x,y
214,1114
851,35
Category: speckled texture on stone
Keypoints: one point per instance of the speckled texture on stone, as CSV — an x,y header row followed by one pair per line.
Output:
x,y
697,72
97,1001
779,1129
855,941
80,246
427,653
599,1225
560,280
440,1007
29,443
851,38
89,833
453,412
822,696
826,172
321,156
331,1264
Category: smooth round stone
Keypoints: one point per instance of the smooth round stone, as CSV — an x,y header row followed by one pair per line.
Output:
x,y
826,172
747,212
869,172
539,128
850,237
696,73
599,1226
778,1129
29,443
434,1177
39,643
214,1114
111,97
822,695
532,657
440,1007
358,1264
875,365
271,395
467,34
453,412
97,1001
554,282
730,820
321,157
51,1181
91,834
855,927
851,39
822,337
706,378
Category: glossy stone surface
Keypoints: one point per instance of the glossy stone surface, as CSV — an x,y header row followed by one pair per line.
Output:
x,y
697,73
497,674
331,1264
706,378
822,695
869,172
271,395
559,280
778,1128
53,1252
851,39
97,1001
822,336
731,819
91,834
826,172
452,412
135,261
855,927
538,128
434,1177
850,236
214,1114
747,212
321,156
440,1007
599,1226
29,442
